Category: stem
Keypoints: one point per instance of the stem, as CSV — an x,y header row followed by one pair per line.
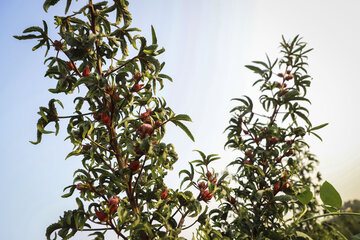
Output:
x,y
99,145
102,160
116,230
122,65
189,225
94,229
137,180
70,116
182,219
93,29
331,214
302,214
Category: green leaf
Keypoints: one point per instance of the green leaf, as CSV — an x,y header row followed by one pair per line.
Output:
x,y
72,189
49,3
182,117
303,116
184,128
255,69
50,229
33,29
25,37
305,196
318,127
68,3
154,39
316,135
329,195
303,235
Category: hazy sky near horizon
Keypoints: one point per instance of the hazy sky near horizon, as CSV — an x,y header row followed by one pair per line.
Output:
x,y
207,44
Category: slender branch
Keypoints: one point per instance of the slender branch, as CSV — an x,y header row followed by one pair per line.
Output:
x,y
94,229
102,160
137,180
182,219
93,29
79,115
302,214
190,225
331,214
121,66
99,145
116,230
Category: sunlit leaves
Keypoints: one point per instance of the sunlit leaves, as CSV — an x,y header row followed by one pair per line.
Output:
x,y
305,195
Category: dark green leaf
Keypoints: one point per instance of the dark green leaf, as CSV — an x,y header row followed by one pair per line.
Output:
x,y
329,195
318,127
49,3
305,196
184,128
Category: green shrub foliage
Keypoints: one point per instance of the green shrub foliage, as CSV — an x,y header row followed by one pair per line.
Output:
x,y
117,127
119,122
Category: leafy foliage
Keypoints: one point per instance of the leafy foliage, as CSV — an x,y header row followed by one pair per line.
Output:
x,y
273,176
117,128
119,124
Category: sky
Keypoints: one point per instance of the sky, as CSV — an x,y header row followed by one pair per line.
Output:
x,y
207,44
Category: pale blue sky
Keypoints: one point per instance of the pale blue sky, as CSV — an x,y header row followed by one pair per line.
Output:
x,y
207,44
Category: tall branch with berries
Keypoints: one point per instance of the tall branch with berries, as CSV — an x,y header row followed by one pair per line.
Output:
x,y
117,127
273,191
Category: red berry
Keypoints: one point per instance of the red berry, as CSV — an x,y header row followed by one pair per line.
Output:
x,y
113,201
136,87
70,66
206,195
105,119
289,77
280,75
137,76
86,147
273,140
164,194
288,71
86,71
208,175
134,165
257,140
202,186
146,129
101,216
58,45
276,188
249,154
